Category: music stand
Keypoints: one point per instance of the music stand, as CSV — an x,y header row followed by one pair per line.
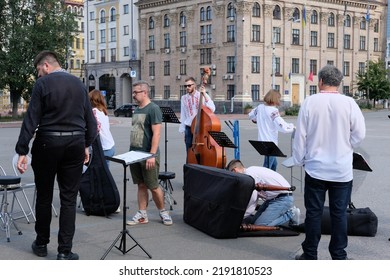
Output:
x,y
267,148
165,177
359,163
223,141
126,159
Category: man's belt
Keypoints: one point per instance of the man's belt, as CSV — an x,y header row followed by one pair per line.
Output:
x,y
60,133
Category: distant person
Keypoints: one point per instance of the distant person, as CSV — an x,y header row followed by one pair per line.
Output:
x,y
190,106
277,207
145,136
100,111
329,126
270,123
61,116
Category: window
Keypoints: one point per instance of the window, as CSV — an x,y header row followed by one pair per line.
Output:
x,y
313,66
203,35
102,56
295,65
277,36
126,9
276,12
231,64
152,69
363,24
92,35
183,67
77,63
330,40
167,68
167,41
346,90
205,56
296,14
347,41
113,14
376,45
255,33
362,67
91,16
151,42
230,11
231,89
82,27
362,43
151,23
92,54
113,34
208,13
77,43
331,19
330,62
183,38
255,91
152,92
166,21
347,21
313,90
346,68
167,92
256,10
126,51
314,17
202,14
313,38
102,16
207,37
183,90
183,19
277,88
126,30
255,63
230,33
295,37
277,65
376,27
113,55
102,36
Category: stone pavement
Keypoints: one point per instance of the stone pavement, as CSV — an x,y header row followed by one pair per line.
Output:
x,y
94,235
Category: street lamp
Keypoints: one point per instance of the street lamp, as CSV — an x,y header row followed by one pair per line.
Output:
x,y
273,49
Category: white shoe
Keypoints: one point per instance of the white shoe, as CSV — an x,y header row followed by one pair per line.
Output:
x,y
138,218
296,215
166,218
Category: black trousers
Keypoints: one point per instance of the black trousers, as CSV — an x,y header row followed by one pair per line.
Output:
x,y
61,157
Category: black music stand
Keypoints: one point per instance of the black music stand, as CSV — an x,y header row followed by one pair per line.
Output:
x,y
267,148
165,177
126,159
359,163
223,141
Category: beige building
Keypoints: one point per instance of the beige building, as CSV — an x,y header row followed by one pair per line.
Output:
x,y
253,46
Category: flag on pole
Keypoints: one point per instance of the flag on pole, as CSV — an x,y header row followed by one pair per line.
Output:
x,y
304,16
368,12
311,76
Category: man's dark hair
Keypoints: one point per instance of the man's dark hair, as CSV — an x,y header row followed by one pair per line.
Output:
x,y
49,56
233,164
330,76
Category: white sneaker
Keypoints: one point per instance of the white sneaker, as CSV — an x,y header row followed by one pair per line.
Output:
x,y
166,218
138,218
296,215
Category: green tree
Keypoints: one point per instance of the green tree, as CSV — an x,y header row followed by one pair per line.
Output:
x,y
26,28
375,82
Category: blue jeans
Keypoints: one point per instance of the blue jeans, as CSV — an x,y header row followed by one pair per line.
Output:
x,y
274,212
339,196
109,153
188,139
270,162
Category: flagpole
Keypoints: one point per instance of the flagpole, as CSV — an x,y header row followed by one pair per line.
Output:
x,y
368,48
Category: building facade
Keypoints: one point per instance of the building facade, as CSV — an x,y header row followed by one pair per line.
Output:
x,y
253,46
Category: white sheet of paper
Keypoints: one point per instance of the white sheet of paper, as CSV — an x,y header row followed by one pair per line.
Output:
x,y
133,156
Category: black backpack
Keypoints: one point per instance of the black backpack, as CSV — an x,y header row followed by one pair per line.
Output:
x,y
98,191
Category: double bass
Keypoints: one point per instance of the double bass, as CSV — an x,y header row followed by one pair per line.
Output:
x,y
205,150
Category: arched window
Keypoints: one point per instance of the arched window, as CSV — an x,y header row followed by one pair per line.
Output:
x,y
202,14
256,10
230,10
151,23
314,17
208,13
113,14
363,23
276,13
183,19
347,21
296,14
102,16
166,21
331,19
75,10
82,11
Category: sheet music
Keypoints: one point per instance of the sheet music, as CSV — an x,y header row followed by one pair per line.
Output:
x,y
133,156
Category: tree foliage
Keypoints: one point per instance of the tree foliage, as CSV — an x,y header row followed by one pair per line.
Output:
x,y
374,82
26,28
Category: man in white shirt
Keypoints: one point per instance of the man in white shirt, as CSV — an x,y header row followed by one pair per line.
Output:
x,y
329,126
189,108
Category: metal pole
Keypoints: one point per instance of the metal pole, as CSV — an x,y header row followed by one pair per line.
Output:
x,y
273,58
368,49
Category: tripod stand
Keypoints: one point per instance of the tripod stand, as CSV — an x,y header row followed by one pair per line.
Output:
x,y
165,177
126,159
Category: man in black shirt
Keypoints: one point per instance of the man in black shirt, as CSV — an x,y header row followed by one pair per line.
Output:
x,y
60,115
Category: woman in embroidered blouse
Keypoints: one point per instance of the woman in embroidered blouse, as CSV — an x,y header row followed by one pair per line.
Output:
x,y
189,108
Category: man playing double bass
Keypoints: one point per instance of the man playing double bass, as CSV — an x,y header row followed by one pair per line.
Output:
x,y
189,108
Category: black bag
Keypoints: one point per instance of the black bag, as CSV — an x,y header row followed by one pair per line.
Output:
x,y
98,191
215,199
361,221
